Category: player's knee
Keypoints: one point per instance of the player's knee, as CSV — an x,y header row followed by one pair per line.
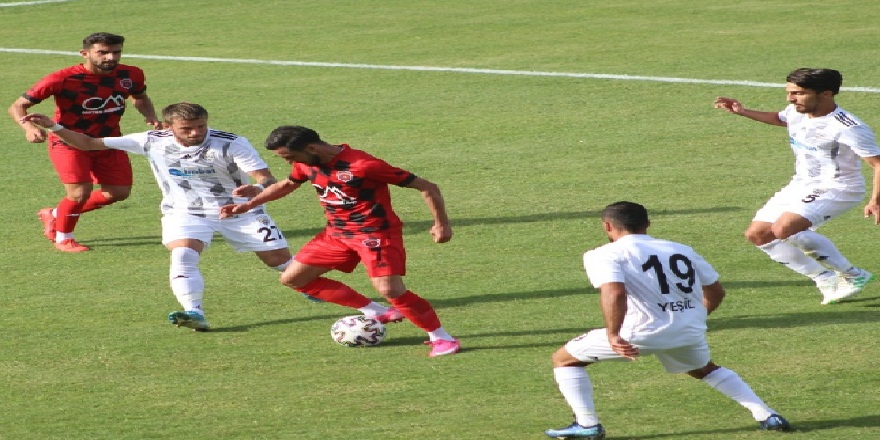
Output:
x,y
294,281
701,373
117,195
759,237
184,262
562,358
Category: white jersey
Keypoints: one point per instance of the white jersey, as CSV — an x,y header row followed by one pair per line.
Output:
x,y
828,149
664,287
195,180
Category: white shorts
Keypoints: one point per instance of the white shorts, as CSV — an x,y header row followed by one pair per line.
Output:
x,y
593,346
818,205
245,233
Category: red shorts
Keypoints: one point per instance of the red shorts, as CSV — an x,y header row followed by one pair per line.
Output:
x,y
105,167
382,254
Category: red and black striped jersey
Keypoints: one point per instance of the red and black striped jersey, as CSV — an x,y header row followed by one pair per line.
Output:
x,y
86,102
353,189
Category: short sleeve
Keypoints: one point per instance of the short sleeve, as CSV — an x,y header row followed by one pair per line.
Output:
x,y
603,267
133,143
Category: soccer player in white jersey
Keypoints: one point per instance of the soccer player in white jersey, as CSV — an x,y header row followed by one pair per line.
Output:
x,y
198,168
655,296
829,144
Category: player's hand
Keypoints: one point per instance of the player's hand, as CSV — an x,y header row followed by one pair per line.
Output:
x,y
247,191
35,132
729,104
35,135
155,123
873,209
38,119
227,211
441,233
623,347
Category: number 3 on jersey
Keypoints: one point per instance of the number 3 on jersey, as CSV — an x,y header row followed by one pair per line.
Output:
x,y
679,265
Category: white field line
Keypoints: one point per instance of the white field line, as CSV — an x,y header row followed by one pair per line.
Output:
x,y
40,2
442,69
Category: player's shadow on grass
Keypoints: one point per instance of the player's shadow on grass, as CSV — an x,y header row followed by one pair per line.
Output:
x,y
872,421
789,320
417,226
511,296
473,339
144,240
246,327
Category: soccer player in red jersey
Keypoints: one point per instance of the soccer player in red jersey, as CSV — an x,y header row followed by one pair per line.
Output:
x,y
362,227
90,99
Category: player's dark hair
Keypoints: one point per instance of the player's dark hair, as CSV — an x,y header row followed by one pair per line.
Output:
x,y
292,137
102,38
629,216
818,80
183,111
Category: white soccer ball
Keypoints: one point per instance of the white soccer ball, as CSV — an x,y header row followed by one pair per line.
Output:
x,y
358,331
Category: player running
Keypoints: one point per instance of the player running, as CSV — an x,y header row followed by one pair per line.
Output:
x,y
90,99
829,144
198,169
352,187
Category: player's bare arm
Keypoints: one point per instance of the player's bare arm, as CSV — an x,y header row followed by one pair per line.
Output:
x,y
78,140
441,231
272,192
262,178
731,105
713,294
144,106
32,132
612,298
872,208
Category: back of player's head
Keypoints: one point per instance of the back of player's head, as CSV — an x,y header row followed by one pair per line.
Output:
x,y
628,216
292,137
818,80
184,111
102,38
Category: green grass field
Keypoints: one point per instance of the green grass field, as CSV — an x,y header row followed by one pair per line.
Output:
x,y
525,162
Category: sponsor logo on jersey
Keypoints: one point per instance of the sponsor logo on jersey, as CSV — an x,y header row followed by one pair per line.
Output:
x,y
373,242
191,171
344,176
798,144
126,83
334,196
96,105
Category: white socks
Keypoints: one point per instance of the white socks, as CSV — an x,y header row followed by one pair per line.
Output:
x,y
186,279
576,388
819,247
731,385
373,309
440,333
792,257
281,267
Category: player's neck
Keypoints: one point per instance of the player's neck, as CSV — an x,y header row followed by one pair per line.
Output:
x,y
95,70
823,110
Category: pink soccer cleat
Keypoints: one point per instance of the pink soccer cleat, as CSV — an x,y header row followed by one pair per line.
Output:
x,y
392,315
48,221
70,245
443,347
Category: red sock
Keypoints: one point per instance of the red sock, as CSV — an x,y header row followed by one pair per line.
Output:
x,y
417,310
67,214
335,292
96,200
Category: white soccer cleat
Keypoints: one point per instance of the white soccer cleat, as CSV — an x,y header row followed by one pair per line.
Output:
x,y
849,286
827,286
